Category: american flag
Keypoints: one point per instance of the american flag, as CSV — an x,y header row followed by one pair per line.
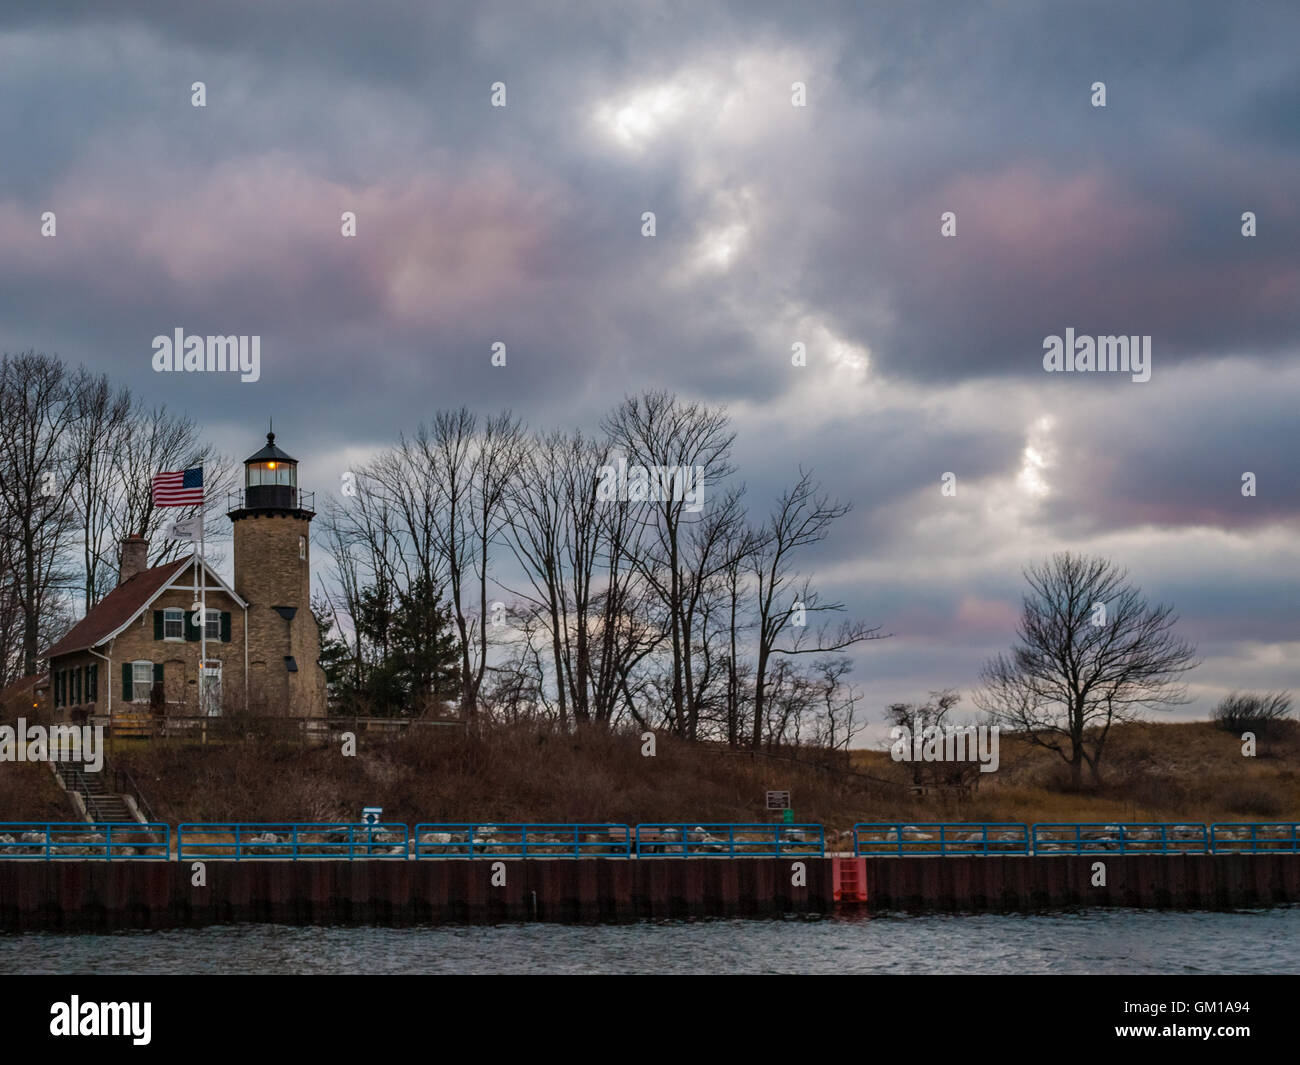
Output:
x,y
184,488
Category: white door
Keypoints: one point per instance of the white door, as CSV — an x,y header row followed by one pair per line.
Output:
x,y
211,694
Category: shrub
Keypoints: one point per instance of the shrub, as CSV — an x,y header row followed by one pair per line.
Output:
x,y
1253,800
1252,712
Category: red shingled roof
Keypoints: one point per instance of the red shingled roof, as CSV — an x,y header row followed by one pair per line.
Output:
x,y
118,607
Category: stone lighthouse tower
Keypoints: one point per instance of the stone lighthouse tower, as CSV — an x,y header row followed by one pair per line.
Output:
x,y
272,518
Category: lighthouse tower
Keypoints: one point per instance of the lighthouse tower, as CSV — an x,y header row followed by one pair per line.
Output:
x,y
272,519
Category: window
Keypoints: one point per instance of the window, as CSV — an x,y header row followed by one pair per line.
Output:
x,y
173,624
58,688
212,624
141,681
260,473
92,682
76,686
302,548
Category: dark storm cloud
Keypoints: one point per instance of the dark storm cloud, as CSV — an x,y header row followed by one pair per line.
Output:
x,y
775,224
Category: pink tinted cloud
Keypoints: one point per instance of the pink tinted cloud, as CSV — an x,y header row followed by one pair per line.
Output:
x,y
1029,222
985,617
426,247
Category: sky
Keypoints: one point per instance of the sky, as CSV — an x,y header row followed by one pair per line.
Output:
x,y
775,225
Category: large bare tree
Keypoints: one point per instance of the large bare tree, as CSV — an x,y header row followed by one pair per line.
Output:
x,y
657,430
1092,652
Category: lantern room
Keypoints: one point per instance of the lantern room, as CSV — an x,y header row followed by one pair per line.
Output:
x,y
270,479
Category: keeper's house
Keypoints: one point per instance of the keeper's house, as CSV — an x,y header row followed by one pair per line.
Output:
x,y
139,650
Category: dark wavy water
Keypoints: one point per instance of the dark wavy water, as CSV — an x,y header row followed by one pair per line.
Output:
x,y
1097,941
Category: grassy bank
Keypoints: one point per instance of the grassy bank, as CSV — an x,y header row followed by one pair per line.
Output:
x,y
1152,772
29,792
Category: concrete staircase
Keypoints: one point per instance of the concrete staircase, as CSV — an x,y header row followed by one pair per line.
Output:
x,y
100,804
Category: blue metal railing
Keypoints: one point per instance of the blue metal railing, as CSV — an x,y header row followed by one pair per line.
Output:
x,y
495,840
292,841
730,840
1152,838
240,840
109,841
1245,837
984,837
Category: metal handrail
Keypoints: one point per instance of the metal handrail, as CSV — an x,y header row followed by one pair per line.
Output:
x,y
1136,838
241,840
730,840
303,500
107,841
939,839
1249,837
336,840
124,784
496,840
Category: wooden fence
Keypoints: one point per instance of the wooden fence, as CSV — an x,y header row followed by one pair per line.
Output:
x,y
308,731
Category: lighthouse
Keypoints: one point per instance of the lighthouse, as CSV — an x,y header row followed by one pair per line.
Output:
x,y
272,544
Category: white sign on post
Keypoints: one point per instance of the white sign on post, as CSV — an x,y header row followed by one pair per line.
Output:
x,y
371,815
778,800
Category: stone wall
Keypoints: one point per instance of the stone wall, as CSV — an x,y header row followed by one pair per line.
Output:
x,y
273,569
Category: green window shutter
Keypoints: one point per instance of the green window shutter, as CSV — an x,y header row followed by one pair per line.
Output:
x,y
191,630
158,674
92,682
127,693
76,685
58,700
225,626
157,624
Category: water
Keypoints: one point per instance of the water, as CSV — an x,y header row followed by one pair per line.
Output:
x,y
1096,941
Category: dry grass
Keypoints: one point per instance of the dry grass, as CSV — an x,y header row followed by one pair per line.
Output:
x,y
28,792
1152,772
510,775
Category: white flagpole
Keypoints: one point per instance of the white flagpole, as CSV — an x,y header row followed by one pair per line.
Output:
x,y
203,632
193,601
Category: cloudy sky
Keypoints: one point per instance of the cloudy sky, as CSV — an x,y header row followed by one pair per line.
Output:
x,y
775,224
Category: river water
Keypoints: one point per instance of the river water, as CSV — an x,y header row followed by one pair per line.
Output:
x,y
1095,941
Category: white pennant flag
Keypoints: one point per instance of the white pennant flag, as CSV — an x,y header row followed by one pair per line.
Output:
x,y
190,529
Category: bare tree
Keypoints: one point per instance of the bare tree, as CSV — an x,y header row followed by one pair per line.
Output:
x,y
99,437
553,538
802,517
916,718
738,554
154,440
39,467
660,432
1092,652
838,720
473,469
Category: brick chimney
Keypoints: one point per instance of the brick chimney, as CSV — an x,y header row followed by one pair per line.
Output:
x,y
135,558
